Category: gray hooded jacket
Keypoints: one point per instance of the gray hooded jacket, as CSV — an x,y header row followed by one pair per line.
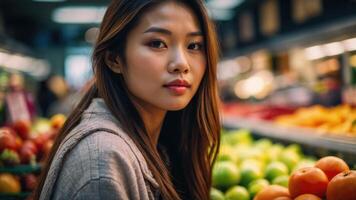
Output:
x,y
97,160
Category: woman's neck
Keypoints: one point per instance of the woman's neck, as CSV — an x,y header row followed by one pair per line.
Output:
x,y
152,118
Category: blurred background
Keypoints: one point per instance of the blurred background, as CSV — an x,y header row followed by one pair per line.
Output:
x,y
287,71
293,52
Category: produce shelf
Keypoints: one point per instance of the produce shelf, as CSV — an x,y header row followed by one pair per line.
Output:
x,y
17,196
21,169
314,143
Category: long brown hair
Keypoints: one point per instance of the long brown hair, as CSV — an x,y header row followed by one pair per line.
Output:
x,y
196,127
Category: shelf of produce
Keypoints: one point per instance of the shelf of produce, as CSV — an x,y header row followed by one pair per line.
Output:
x,y
21,169
318,144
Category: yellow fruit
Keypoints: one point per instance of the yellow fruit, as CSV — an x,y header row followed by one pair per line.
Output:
x,y
9,184
58,120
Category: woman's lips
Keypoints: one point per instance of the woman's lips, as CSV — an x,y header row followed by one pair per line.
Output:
x,y
178,86
178,90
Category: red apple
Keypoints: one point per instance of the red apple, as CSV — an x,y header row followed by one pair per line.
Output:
x,y
29,182
28,152
22,128
7,140
40,140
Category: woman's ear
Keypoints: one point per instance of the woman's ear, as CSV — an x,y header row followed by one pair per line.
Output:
x,y
113,62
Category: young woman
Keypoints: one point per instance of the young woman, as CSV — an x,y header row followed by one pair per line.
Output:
x,y
148,128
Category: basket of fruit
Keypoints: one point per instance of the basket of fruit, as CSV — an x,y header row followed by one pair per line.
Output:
x,y
24,146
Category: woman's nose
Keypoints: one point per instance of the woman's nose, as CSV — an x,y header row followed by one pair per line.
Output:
x,y
179,62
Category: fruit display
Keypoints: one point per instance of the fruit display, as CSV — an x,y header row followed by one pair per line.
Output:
x,y
24,145
249,169
339,120
256,111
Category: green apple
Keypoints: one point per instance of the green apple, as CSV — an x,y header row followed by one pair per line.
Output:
x,y
296,148
225,174
237,193
238,137
226,153
304,163
263,144
281,180
290,158
216,194
257,185
250,170
273,153
275,169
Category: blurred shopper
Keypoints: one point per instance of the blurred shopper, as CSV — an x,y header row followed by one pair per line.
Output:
x,y
148,127
45,97
20,103
65,101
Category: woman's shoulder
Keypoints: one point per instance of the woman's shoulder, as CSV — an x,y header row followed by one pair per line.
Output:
x,y
102,157
106,152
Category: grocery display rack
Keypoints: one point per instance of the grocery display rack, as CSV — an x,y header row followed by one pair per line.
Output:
x,y
19,170
312,142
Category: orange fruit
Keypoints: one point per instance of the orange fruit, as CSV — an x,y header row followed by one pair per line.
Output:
x,y
307,197
308,180
331,166
9,184
272,192
342,186
283,198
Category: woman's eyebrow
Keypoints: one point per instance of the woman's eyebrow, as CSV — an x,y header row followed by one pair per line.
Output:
x,y
167,32
158,30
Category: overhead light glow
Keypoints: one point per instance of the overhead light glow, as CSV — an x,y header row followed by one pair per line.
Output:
x,y
333,48
350,44
38,68
79,15
314,52
221,14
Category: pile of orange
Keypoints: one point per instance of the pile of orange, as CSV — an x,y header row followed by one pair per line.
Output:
x,y
330,178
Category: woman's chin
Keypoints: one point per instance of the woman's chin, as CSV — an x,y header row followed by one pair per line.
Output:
x,y
176,107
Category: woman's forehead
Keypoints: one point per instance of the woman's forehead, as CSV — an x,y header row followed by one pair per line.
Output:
x,y
170,15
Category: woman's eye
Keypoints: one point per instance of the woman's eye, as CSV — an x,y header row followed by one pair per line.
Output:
x,y
195,46
157,44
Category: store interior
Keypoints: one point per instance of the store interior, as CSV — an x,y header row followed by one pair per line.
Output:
x,y
287,83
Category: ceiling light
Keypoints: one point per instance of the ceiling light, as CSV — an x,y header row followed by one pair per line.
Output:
x,y
350,44
314,52
79,15
333,48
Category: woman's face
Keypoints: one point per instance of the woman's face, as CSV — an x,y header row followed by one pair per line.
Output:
x,y
165,58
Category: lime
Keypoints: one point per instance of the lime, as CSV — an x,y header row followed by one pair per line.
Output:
x,y
273,152
281,180
216,194
257,185
226,153
250,173
275,169
237,193
304,163
263,144
241,136
225,174
290,158
295,147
